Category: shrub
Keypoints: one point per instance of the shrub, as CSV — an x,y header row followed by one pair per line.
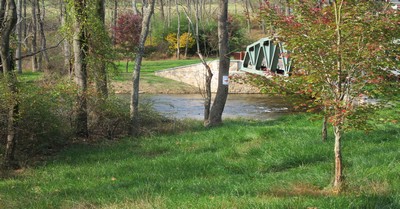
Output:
x,y
183,39
127,31
109,118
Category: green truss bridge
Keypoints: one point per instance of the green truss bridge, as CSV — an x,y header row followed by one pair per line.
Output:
x,y
266,57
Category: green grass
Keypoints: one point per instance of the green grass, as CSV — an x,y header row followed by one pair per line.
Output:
x,y
242,164
28,76
149,67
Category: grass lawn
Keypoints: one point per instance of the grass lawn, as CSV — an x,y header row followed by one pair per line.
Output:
x,y
149,82
242,164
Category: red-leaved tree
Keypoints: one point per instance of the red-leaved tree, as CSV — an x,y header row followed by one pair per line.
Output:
x,y
127,34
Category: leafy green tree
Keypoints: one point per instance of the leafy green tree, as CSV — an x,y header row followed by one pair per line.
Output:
x,y
341,50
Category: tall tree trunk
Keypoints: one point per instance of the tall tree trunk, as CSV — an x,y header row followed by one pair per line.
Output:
x,y
8,20
101,73
148,10
18,32
223,73
35,65
80,65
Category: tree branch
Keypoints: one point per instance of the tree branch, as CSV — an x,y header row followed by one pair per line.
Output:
x,y
37,52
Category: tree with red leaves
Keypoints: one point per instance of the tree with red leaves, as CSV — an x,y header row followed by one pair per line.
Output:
x,y
127,34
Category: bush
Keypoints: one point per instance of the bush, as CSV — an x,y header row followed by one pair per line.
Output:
x,y
109,118
44,120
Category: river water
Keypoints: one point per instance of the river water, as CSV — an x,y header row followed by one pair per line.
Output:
x,y
250,106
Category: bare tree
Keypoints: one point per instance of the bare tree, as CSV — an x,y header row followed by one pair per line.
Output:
x,y
134,7
40,19
35,66
162,12
18,32
114,21
223,73
178,32
66,46
247,14
24,19
8,20
101,73
148,10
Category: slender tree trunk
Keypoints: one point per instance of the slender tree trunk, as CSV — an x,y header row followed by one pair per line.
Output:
x,y
24,19
187,42
197,26
80,65
35,65
169,2
40,18
162,12
208,73
339,95
8,20
101,72
245,2
114,21
207,87
19,37
66,44
222,91
127,66
178,32
148,10
324,132
337,184
134,7
188,3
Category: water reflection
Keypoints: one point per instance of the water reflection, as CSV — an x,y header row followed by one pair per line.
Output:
x,y
252,106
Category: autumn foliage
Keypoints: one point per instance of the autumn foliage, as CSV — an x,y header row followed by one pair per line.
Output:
x,y
127,31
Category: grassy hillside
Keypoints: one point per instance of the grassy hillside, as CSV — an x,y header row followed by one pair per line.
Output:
x,y
242,164
149,82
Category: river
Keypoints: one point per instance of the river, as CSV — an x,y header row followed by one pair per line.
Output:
x,y
250,106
